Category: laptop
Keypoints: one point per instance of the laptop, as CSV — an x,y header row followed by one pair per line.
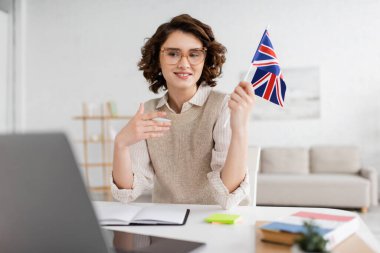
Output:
x,y
44,206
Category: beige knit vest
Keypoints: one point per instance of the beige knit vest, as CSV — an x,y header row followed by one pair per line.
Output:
x,y
181,158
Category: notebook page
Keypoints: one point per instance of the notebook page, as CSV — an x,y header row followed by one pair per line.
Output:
x,y
161,214
115,213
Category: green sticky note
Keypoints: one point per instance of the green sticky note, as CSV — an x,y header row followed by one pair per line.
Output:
x,y
223,218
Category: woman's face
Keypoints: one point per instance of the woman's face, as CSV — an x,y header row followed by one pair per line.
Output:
x,y
179,71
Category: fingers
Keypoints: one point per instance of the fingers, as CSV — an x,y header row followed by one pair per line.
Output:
x,y
155,128
148,116
232,104
152,115
239,91
155,123
235,97
144,127
149,128
154,131
141,127
243,93
247,87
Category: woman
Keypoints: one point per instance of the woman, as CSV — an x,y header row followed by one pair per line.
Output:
x,y
195,158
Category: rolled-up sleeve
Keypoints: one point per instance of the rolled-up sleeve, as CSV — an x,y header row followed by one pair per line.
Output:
x,y
222,138
143,174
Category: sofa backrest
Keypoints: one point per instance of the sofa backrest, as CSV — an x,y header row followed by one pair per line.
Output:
x,y
289,160
334,159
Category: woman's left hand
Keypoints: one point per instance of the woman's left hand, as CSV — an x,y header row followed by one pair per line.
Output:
x,y
240,104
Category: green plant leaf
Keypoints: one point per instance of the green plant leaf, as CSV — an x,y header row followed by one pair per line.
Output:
x,y
311,240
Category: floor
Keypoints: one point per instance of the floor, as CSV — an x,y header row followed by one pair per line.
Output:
x,y
371,218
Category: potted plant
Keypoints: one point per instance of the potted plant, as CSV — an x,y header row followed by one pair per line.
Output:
x,y
310,241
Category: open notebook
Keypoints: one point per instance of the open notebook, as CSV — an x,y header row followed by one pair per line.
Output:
x,y
118,214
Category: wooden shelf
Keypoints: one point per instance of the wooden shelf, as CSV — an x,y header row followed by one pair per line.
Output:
x,y
101,117
104,144
93,141
94,165
99,188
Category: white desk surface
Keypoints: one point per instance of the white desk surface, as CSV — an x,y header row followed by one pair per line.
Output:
x,y
232,238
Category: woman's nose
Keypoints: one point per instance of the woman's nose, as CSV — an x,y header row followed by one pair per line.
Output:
x,y
183,62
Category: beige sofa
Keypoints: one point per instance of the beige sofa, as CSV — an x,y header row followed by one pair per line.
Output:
x,y
324,176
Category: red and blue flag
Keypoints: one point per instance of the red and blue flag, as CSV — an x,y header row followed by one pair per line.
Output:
x,y
268,80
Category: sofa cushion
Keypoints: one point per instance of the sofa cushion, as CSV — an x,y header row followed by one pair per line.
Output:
x,y
334,159
343,190
285,160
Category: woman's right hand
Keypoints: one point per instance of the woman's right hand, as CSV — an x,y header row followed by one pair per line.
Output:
x,y
141,127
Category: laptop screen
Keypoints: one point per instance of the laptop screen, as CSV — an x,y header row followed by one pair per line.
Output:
x,y
45,207
125,242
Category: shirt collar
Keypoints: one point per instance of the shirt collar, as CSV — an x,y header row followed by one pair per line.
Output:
x,y
198,99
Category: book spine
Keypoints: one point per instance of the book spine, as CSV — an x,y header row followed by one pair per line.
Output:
x,y
341,233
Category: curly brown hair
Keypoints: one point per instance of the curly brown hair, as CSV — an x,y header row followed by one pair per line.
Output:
x,y
150,63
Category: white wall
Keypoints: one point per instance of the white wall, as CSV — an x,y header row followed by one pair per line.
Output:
x,y
3,69
87,50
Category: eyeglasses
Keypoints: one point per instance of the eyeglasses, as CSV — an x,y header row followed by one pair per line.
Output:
x,y
174,55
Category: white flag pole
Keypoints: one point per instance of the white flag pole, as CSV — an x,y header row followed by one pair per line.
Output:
x,y
246,75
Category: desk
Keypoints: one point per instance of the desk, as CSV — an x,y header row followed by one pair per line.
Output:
x,y
233,238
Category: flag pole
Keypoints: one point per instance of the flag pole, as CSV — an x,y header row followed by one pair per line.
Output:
x,y
246,74
249,70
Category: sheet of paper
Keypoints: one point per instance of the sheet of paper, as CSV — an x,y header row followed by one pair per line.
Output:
x,y
115,213
161,214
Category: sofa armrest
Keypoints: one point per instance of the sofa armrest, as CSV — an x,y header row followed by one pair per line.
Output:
x,y
370,173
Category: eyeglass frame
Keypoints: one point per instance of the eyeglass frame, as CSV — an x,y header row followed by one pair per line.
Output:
x,y
203,49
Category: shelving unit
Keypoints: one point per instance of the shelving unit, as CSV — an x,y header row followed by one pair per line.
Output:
x,y
106,149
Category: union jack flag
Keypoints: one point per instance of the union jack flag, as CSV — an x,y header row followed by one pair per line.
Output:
x,y
268,80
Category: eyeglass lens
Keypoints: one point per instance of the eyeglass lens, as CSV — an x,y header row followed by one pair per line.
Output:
x,y
173,56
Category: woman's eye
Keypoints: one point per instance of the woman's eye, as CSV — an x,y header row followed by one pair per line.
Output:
x,y
173,54
194,55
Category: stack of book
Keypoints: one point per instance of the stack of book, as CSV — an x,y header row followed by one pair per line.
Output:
x,y
334,228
